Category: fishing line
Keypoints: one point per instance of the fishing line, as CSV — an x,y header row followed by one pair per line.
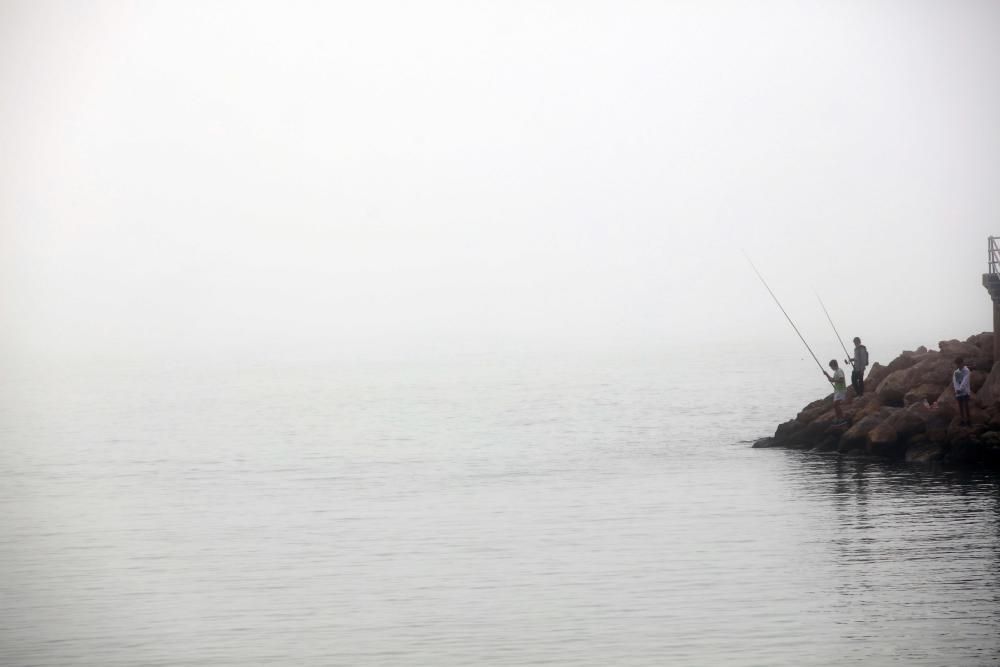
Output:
x,y
764,282
839,339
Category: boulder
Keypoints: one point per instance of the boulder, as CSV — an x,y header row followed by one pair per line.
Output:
x,y
925,452
833,430
895,449
984,341
786,430
807,436
814,409
856,437
991,438
876,373
869,404
904,361
936,428
934,368
892,390
957,431
977,415
975,357
828,443
947,406
931,369
883,440
989,391
889,438
910,421
976,380
923,392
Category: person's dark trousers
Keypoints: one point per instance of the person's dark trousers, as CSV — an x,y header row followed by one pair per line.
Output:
x,y
858,382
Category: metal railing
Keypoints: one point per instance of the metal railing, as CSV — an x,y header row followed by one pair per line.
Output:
x,y
993,254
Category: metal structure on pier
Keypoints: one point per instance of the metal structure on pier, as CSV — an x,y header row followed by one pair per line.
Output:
x,y
991,281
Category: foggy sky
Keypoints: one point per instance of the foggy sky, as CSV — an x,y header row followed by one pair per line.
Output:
x,y
252,179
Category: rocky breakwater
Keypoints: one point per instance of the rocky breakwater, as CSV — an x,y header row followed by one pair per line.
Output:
x,y
908,411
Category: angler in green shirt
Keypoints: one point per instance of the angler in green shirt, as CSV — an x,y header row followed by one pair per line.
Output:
x,y
839,389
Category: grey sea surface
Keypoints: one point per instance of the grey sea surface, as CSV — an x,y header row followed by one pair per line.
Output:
x,y
508,512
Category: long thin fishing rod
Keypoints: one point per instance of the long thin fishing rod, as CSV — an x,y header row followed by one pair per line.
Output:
x,y
764,282
839,339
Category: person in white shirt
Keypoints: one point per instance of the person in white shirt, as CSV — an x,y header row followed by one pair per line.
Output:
x,y
960,380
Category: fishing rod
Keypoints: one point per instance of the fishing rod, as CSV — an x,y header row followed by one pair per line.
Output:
x,y
764,282
837,333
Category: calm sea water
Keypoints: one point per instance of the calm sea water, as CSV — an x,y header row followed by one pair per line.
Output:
x,y
509,512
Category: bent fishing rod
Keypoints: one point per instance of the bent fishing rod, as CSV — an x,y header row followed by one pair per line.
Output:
x,y
840,340
764,282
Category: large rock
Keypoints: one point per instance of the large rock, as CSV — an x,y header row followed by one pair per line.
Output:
x,y
894,449
989,392
807,436
925,452
786,430
991,417
814,409
890,438
923,392
882,440
976,380
860,408
947,404
856,437
892,390
910,421
931,369
984,341
828,443
975,357
936,427
876,373
904,361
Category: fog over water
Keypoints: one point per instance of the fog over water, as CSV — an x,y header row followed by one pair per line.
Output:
x,y
300,180
371,333
568,512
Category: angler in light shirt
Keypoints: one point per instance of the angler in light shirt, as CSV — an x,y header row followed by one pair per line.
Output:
x,y
960,381
839,389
